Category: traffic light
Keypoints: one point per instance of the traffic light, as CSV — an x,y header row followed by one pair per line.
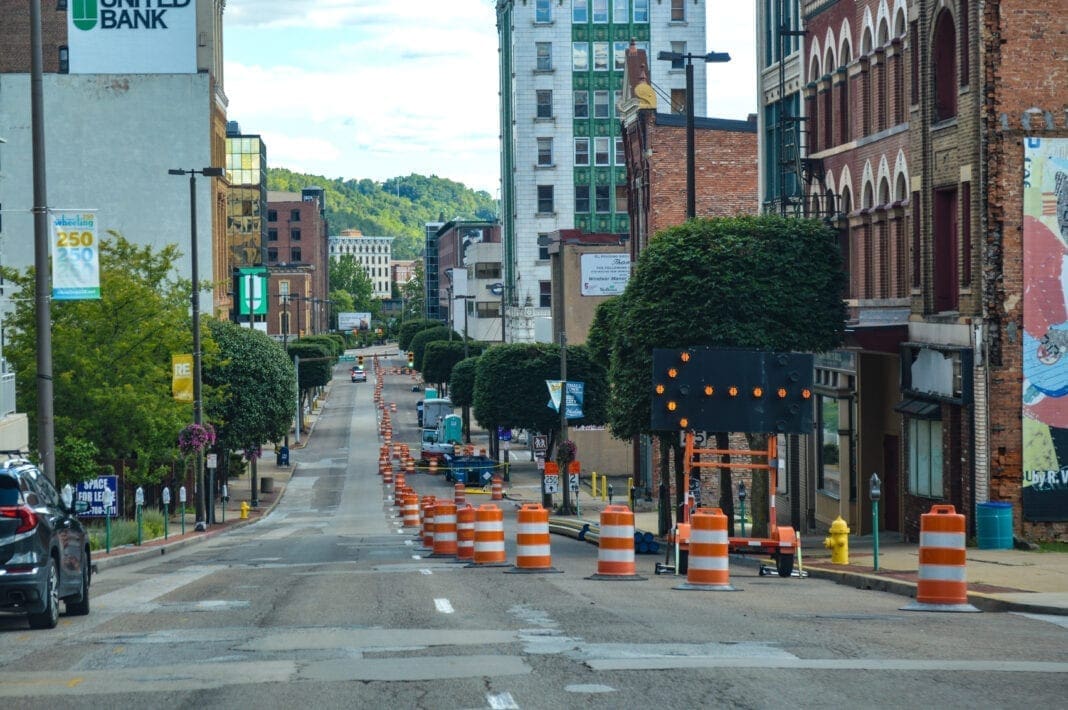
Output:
x,y
411,359
359,361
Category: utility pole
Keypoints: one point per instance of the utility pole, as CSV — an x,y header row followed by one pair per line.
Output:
x,y
564,479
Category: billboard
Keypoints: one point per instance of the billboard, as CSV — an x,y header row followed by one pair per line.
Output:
x,y
1045,326
252,290
353,321
604,274
132,36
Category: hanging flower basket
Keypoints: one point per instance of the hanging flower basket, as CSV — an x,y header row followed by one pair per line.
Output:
x,y
567,451
195,437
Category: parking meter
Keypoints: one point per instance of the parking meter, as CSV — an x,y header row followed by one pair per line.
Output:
x,y
108,500
139,499
166,496
68,496
225,500
139,496
181,501
741,503
166,512
876,488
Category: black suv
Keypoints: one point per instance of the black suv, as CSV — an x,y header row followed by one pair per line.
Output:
x,y
44,549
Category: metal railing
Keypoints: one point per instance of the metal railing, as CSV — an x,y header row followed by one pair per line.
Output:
x,y
7,394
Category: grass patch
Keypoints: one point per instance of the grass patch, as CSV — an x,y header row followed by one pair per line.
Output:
x,y
124,532
1053,546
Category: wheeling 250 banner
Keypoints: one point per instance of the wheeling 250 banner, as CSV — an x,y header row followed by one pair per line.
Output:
x,y
75,256
1045,341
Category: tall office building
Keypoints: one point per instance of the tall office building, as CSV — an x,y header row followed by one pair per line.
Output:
x,y
562,162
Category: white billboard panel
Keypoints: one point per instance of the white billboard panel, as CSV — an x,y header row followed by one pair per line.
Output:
x,y
132,36
604,274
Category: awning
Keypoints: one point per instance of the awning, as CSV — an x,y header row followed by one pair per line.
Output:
x,y
919,408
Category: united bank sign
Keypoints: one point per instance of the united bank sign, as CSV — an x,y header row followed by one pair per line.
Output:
x,y
132,36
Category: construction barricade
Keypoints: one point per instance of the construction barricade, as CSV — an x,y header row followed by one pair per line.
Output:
x,y
426,531
465,534
615,545
708,568
941,584
532,552
489,537
497,488
410,510
444,544
459,496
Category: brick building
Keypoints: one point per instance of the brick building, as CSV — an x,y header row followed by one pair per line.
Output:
x,y
725,155
298,264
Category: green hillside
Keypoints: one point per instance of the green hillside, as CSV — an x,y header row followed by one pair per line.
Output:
x,y
398,207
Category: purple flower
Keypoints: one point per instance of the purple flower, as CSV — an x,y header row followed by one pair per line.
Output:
x,y
195,437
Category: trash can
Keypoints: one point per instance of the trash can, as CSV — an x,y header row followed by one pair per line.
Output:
x,y
266,484
993,526
283,456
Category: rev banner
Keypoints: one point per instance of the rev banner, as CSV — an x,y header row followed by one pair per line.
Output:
x,y
182,378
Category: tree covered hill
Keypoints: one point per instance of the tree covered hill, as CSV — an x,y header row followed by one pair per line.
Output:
x,y
398,207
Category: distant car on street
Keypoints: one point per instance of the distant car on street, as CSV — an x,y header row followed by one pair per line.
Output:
x,y
44,549
358,375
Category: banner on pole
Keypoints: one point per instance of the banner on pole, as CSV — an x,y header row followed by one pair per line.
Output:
x,y
182,377
75,256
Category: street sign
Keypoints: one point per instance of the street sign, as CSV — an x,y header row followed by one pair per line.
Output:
x,y
211,460
573,481
541,442
102,495
504,433
551,483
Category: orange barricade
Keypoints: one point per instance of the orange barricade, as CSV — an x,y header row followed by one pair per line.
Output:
x,y
399,481
426,532
459,495
433,467
444,530
387,475
532,540
465,534
410,510
497,489
707,568
615,547
409,466
941,584
489,536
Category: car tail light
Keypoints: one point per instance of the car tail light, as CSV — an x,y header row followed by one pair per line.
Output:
x,y
26,517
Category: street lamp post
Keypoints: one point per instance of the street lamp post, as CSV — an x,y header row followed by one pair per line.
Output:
x,y
198,402
497,289
691,200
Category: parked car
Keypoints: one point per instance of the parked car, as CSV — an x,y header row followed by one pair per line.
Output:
x,y
358,375
44,549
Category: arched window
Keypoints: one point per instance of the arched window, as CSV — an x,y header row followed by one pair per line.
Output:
x,y
844,111
828,102
944,67
965,41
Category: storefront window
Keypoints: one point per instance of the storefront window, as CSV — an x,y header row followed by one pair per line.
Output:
x,y
925,458
830,472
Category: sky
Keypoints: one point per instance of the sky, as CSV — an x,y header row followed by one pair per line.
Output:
x,y
370,89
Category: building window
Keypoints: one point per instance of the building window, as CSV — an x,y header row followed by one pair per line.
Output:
x,y
545,199
621,156
965,48
616,95
600,56
830,471
543,11
545,294
545,152
641,10
580,12
580,56
600,150
621,199
272,215
944,69
272,235
543,246
294,255
678,10
61,4
294,235
925,458
600,104
619,55
582,104
914,63
544,99
678,48
64,60
544,51
488,309
272,254
678,101
582,199
944,225
966,234
582,151
602,196
294,215
600,11
620,11
487,270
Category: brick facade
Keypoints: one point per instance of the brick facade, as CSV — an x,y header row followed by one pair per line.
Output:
x,y
15,36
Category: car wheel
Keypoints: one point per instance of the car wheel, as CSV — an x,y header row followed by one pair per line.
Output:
x,y
48,618
80,606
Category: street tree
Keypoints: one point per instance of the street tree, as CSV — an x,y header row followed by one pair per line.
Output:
x,y
766,283
408,330
411,293
419,341
111,359
316,360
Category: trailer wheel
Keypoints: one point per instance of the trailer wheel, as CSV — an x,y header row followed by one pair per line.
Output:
x,y
785,564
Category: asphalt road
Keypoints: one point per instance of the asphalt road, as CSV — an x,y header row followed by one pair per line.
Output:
x,y
327,603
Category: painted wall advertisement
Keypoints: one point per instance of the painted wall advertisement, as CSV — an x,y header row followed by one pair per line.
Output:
x,y
75,256
132,36
1045,337
604,274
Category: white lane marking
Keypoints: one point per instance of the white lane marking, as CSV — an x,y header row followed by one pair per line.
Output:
x,y
443,606
138,597
502,701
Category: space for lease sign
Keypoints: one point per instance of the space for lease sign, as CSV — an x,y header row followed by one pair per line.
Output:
x,y
132,36
604,274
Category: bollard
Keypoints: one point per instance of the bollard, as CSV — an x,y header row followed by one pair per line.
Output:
x,y
532,540
593,485
604,486
615,546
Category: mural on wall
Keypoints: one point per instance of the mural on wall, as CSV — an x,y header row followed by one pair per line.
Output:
x,y
1045,338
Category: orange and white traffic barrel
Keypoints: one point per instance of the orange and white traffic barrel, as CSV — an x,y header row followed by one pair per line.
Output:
x,y
409,466
708,568
410,510
444,530
615,545
532,540
433,467
426,531
387,475
459,495
941,584
489,537
497,488
465,534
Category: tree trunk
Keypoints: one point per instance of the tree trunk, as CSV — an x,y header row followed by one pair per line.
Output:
x,y
759,498
726,481
664,492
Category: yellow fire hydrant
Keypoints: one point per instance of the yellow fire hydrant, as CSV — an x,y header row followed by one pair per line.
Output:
x,y
837,542
244,510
